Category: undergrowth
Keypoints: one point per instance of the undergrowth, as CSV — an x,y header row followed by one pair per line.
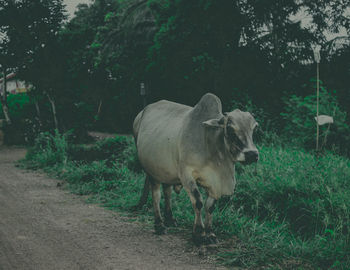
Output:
x,y
291,211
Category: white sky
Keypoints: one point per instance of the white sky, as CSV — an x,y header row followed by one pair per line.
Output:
x,y
72,4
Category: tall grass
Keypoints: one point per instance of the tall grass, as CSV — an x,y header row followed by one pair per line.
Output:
x,y
49,150
289,212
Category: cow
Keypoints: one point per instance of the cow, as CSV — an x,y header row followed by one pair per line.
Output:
x,y
193,146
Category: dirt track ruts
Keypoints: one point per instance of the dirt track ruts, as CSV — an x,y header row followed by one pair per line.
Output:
x,y
45,227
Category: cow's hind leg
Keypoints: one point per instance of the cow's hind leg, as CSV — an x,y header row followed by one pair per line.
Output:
x,y
144,196
209,209
158,222
168,214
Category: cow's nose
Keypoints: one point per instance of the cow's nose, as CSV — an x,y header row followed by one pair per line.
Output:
x,y
251,156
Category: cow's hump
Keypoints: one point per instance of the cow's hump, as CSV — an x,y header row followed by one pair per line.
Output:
x,y
208,106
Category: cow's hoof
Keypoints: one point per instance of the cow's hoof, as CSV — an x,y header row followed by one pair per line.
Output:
x,y
198,235
170,222
198,240
211,239
159,229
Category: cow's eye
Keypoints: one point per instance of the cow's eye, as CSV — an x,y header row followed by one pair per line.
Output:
x,y
234,138
230,132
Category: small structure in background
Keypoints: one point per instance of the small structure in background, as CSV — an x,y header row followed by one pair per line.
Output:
x,y
14,86
324,119
143,93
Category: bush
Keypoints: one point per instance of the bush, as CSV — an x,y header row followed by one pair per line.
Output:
x,y
48,150
105,169
266,131
310,193
20,106
120,148
300,124
91,178
24,127
291,209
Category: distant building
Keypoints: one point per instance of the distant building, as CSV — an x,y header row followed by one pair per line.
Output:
x,y
14,86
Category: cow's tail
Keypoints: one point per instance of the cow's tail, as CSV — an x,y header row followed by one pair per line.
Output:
x,y
136,125
146,186
144,195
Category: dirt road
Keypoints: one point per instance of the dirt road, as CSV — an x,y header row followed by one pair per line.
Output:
x,y
44,227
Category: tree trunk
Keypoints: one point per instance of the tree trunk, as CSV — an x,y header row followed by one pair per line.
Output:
x,y
98,111
38,112
53,107
3,99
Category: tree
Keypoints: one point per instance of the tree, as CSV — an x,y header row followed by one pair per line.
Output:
x,y
183,49
42,62
335,68
7,56
89,77
125,38
94,64
109,42
256,47
30,31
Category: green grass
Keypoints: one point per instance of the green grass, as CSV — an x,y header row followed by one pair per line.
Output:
x,y
289,212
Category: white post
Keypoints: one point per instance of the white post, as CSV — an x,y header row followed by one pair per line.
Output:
x,y
317,57
318,101
143,93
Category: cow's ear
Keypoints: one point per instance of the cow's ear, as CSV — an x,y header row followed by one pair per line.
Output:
x,y
216,123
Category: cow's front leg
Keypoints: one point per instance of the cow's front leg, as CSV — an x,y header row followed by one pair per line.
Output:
x,y
209,209
192,190
197,204
168,214
158,222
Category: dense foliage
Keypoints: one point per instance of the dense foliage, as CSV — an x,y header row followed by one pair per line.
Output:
x,y
299,116
291,212
89,69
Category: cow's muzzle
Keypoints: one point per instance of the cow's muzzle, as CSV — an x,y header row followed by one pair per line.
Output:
x,y
251,157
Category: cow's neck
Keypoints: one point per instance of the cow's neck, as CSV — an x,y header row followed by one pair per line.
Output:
x,y
218,152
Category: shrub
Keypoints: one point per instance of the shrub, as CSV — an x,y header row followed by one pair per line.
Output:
x,y
119,148
91,178
48,150
300,124
24,127
309,192
20,106
266,131
306,195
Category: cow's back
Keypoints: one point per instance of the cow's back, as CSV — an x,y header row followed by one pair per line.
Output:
x,y
157,131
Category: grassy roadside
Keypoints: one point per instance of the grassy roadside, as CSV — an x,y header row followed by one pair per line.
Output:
x,y
291,212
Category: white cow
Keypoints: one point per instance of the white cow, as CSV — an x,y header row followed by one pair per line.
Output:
x,y
193,146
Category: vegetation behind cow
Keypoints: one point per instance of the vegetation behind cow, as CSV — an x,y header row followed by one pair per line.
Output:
x,y
290,211
87,71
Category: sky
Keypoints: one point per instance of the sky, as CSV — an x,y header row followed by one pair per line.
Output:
x,y
72,4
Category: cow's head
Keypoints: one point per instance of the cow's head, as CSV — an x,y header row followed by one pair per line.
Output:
x,y
237,128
